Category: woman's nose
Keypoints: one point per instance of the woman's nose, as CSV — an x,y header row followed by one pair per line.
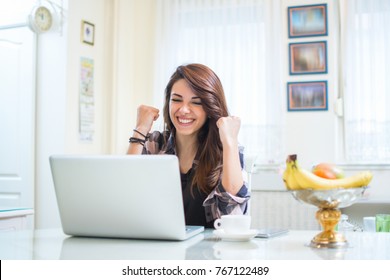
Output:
x,y
185,108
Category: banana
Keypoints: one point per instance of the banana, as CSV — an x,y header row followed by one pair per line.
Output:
x,y
306,180
289,178
297,178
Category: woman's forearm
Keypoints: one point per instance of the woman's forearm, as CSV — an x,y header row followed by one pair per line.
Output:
x,y
232,179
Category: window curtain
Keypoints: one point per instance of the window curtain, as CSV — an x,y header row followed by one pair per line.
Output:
x,y
366,82
240,41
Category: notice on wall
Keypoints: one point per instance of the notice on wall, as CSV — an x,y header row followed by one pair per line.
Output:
x,y
86,101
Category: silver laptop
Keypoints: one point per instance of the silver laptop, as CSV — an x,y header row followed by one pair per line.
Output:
x,y
129,196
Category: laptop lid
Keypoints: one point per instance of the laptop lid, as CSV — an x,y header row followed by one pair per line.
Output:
x,y
120,196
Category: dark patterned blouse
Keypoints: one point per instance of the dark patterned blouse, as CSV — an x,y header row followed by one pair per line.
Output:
x,y
201,208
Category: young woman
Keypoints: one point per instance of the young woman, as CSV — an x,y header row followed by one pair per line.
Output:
x,y
200,132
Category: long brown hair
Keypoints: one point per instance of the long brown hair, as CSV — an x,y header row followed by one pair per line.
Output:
x,y
206,85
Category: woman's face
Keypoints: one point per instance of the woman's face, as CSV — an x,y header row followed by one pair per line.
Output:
x,y
185,109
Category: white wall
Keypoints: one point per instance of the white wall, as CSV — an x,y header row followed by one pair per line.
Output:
x,y
99,13
312,135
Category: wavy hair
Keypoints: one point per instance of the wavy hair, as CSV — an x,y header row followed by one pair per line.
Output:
x,y
206,85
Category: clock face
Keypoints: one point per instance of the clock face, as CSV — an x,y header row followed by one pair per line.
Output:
x,y
43,18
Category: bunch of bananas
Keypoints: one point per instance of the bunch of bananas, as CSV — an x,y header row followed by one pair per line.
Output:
x,y
296,178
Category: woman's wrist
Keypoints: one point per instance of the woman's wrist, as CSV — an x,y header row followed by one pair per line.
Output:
x,y
230,144
137,141
138,137
138,132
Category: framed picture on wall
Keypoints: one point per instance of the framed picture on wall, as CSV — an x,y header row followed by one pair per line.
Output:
x,y
87,32
308,58
307,96
309,20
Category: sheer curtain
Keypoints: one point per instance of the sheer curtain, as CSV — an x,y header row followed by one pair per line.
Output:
x,y
239,40
366,64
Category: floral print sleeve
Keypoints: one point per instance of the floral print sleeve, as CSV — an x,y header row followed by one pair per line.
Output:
x,y
219,202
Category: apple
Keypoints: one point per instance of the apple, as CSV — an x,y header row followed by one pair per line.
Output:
x,y
328,171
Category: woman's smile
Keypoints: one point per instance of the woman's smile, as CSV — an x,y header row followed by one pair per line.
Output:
x,y
185,121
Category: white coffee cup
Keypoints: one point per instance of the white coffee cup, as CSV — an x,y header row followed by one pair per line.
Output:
x,y
233,224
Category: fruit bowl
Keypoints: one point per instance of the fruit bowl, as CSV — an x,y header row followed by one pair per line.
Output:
x,y
328,215
335,198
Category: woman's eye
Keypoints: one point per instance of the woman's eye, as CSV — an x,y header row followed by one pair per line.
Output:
x,y
197,103
175,100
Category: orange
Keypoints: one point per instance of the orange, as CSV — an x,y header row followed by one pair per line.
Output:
x,y
328,171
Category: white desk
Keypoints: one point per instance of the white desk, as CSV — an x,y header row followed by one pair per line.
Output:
x,y
53,244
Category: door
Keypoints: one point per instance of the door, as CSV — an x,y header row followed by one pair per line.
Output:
x,y
17,117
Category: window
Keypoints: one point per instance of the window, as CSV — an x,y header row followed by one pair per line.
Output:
x,y
236,40
367,80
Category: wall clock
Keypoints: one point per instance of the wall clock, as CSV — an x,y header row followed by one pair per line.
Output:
x,y
41,19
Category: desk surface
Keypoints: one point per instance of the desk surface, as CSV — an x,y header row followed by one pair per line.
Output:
x,y
50,244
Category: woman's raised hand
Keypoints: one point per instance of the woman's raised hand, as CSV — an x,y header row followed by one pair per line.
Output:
x,y
146,115
228,129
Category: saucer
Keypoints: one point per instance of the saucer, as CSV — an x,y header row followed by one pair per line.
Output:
x,y
245,236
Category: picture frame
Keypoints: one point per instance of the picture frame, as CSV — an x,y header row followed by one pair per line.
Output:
x,y
307,96
308,58
308,20
87,32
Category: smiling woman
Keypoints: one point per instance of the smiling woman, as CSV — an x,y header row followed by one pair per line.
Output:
x,y
199,130
236,39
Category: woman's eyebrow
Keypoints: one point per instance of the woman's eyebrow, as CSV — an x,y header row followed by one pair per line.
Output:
x,y
195,97
178,95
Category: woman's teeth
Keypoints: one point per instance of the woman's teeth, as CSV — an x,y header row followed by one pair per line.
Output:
x,y
185,120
